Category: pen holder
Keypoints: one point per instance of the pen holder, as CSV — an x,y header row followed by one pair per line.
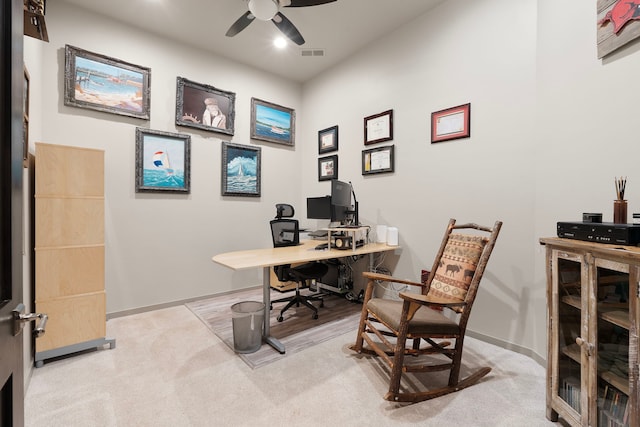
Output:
x,y
619,211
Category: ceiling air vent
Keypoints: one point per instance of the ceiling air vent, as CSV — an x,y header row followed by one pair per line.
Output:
x,y
312,52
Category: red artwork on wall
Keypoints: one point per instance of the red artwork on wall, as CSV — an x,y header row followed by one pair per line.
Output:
x,y
621,13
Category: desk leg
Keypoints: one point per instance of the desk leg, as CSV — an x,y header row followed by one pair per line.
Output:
x,y
266,299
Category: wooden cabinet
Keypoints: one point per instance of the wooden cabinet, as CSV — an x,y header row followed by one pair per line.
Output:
x,y
593,309
69,246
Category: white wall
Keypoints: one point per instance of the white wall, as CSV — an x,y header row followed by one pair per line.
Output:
x,y
159,246
460,52
551,126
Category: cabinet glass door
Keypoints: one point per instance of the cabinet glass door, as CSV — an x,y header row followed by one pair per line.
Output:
x,y
613,323
569,288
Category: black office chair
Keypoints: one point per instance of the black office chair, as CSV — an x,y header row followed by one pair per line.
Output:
x,y
285,231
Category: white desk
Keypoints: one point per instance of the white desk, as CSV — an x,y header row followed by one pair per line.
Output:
x,y
269,257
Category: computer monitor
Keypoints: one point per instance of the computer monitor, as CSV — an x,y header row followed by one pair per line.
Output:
x,y
340,193
341,206
319,207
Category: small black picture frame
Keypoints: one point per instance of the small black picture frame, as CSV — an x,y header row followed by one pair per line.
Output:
x,y
328,168
328,140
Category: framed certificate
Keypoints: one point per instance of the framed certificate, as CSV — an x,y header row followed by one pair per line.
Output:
x,y
377,160
328,140
378,128
451,123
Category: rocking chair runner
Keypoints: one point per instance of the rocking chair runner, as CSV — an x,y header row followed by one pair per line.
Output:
x,y
452,284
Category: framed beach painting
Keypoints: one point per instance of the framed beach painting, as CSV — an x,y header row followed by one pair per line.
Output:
x,y
162,161
273,123
102,83
240,170
204,107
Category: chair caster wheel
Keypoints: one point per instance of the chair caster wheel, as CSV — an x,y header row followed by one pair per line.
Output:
x,y
280,318
315,316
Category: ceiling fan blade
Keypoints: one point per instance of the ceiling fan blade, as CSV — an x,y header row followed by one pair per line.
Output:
x,y
242,23
304,3
288,29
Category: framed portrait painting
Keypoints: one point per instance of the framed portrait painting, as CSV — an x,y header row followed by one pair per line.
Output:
x,y
273,123
102,83
162,161
204,107
240,170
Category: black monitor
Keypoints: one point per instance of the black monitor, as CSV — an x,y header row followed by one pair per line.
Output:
x,y
340,193
319,207
341,206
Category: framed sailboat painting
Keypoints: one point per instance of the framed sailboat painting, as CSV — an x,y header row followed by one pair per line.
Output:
x,y
162,161
240,170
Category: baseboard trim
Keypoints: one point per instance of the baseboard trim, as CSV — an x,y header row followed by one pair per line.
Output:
x,y
147,308
540,360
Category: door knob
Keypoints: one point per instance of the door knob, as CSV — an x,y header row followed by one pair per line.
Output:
x,y
588,346
20,318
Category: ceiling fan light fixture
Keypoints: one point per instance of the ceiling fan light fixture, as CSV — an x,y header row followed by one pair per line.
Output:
x,y
263,9
280,42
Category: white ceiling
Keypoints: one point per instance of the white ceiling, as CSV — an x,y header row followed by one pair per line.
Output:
x,y
340,28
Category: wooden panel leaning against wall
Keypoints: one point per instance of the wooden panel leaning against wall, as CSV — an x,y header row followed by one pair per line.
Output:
x,y
69,246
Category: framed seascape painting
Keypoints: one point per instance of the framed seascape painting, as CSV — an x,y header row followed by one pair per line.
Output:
x,y
101,83
240,170
273,123
162,161
204,107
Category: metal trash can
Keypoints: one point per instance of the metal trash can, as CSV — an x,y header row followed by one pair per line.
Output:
x,y
248,322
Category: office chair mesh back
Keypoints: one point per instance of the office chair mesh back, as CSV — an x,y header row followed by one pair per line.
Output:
x,y
285,232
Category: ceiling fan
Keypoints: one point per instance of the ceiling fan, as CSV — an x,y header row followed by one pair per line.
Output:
x,y
269,10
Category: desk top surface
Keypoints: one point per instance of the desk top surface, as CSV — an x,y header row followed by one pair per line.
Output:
x,y
304,252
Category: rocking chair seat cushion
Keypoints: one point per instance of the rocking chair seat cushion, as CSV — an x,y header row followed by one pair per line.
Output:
x,y
425,321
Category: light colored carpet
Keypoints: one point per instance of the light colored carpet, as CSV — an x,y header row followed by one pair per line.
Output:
x,y
297,332
169,369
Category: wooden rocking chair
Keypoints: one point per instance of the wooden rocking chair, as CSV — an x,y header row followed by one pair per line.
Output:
x,y
452,284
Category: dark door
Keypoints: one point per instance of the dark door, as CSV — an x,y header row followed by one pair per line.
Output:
x,y
11,134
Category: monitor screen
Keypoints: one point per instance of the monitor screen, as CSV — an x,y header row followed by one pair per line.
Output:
x,y
340,193
319,207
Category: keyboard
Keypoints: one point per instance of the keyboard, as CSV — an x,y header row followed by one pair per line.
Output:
x,y
322,246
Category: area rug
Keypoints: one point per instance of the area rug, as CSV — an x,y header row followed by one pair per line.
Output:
x,y
297,332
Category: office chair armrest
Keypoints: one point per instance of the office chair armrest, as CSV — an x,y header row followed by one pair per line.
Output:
x,y
386,278
431,301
